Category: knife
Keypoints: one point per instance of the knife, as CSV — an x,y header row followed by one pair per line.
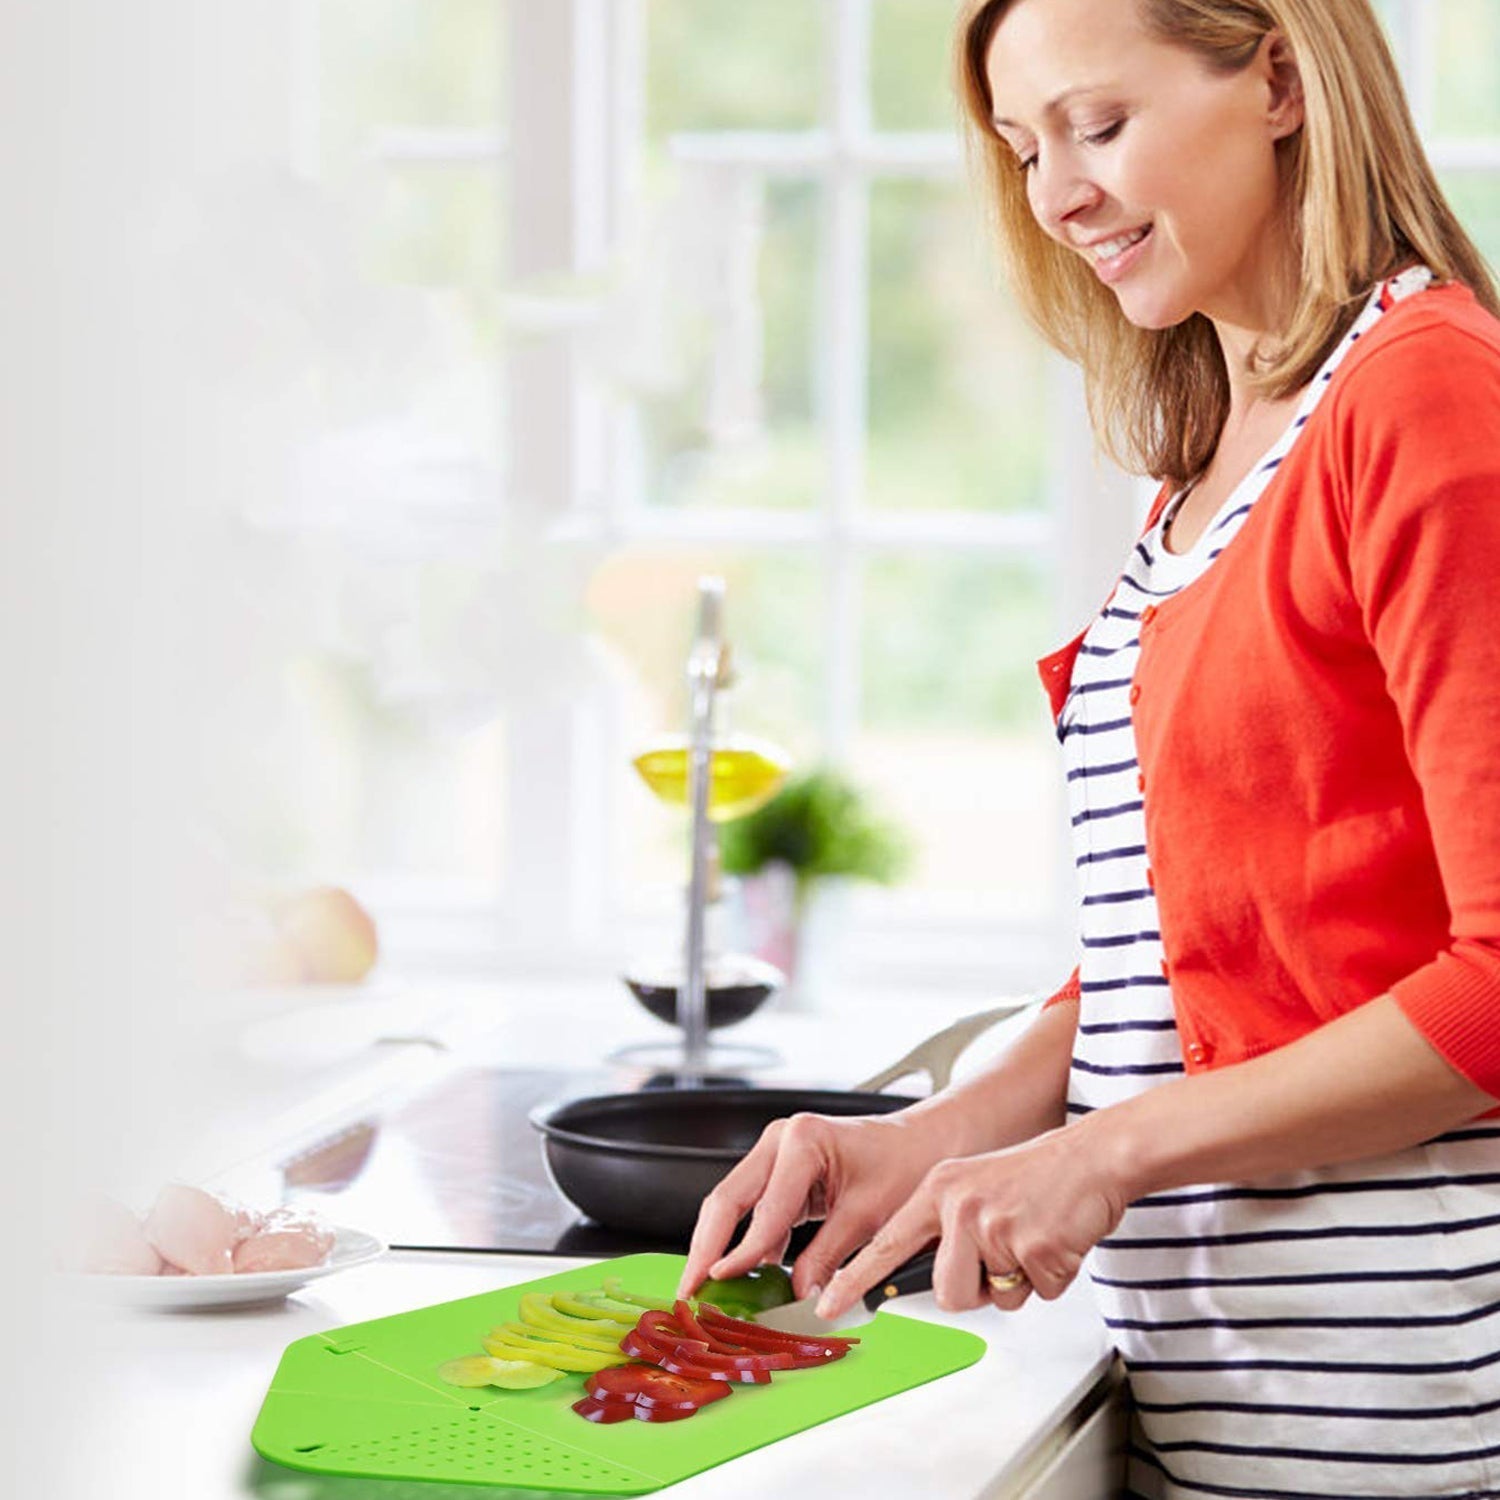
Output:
x,y
914,1275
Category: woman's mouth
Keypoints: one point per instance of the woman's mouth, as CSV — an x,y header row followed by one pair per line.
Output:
x,y
1112,258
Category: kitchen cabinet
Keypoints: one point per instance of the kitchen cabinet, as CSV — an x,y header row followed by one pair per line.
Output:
x,y
1083,1456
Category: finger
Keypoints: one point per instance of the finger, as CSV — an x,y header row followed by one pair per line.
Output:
x,y
1007,1299
1052,1276
957,1273
723,1209
843,1231
780,1205
905,1233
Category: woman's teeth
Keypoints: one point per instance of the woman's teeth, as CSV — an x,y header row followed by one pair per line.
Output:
x,y
1119,245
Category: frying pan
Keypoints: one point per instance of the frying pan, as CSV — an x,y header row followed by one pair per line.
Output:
x,y
645,1161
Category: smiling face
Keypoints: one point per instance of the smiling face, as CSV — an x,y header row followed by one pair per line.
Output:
x,y
1159,171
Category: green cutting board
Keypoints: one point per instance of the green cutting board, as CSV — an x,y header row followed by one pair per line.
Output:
x,y
366,1401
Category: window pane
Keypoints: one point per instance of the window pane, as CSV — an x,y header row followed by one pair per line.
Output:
x,y
957,381
407,63
438,225
642,603
716,66
909,68
1468,66
731,421
955,737
346,776
1475,197
383,756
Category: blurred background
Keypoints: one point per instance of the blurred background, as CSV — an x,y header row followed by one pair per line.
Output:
x,y
383,376
378,378
574,302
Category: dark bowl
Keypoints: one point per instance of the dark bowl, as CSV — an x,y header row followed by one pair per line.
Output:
x,y
738,990
644,1162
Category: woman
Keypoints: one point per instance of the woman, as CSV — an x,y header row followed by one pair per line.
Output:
x,y
1278,1061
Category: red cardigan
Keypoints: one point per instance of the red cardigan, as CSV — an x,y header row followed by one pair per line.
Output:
x,y
1318,723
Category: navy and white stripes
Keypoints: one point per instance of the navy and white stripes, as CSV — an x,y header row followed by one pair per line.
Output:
x,y
1324,1334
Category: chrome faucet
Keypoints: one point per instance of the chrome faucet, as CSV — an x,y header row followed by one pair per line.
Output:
x,y
709,672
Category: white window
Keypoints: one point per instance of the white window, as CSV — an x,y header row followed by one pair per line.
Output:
x,y
694,287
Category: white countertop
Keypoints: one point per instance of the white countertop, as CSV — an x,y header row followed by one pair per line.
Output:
x,y
172,1414
173,1418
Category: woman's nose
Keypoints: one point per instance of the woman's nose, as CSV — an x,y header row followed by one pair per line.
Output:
x,y
1059,191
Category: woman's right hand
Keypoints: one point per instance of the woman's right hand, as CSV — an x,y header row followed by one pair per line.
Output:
x,y
851,1172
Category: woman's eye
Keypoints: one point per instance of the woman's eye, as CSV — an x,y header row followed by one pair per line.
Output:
x,y
1101,137
1026,163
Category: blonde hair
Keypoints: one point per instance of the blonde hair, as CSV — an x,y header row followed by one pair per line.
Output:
x,y
1362,201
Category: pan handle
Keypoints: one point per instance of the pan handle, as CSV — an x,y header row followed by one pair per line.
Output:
x,y
937,1055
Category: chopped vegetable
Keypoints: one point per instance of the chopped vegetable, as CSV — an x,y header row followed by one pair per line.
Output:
x,y
605,1411
729,1360
556,1356
597,1306
644,1358
819,1347
651,1387
596,1344
508,1374
617,1293
756,1291
541,1312
557,1334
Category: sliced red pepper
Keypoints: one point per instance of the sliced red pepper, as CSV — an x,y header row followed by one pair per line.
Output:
x,y
623,1411
682,1362
660,1327
703,1354
803,1357
650,1386
756,1336
605,1411
644,1413
638,1346
682,1315
658,1341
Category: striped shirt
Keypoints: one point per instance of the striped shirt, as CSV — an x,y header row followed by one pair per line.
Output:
x,y
1322,1334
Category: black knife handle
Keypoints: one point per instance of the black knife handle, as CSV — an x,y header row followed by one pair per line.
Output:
x,y
914,1275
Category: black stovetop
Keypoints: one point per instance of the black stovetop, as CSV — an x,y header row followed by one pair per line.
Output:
x,y
458,1166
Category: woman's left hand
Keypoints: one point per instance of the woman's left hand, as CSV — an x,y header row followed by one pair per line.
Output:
x,y
1037,1208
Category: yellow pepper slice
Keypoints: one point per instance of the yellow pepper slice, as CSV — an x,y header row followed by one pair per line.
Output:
x,y
475,1370
537,1310
556,1356
617,1314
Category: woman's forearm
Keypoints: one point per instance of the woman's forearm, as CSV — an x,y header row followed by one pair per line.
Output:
x,y
1020,1095
1365,1084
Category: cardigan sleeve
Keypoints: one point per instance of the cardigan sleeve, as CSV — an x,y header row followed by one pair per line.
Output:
x,y
1069,991
1423,510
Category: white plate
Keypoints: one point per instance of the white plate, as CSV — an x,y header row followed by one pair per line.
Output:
x,y
351,1247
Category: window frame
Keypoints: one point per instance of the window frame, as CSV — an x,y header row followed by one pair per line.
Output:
x,y
572,151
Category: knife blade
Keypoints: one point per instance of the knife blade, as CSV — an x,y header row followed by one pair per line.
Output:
x,y
914,1275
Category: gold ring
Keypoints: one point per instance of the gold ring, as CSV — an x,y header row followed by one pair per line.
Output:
x,y
1007,1281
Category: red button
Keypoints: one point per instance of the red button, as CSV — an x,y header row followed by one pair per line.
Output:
x,y
1135,692
1151,880
1140,781
1148,614
1166,969
1196,1052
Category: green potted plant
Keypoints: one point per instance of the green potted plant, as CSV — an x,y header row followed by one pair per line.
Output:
x,y
818,832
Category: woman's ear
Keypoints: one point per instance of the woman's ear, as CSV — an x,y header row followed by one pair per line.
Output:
x,y
1285,109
